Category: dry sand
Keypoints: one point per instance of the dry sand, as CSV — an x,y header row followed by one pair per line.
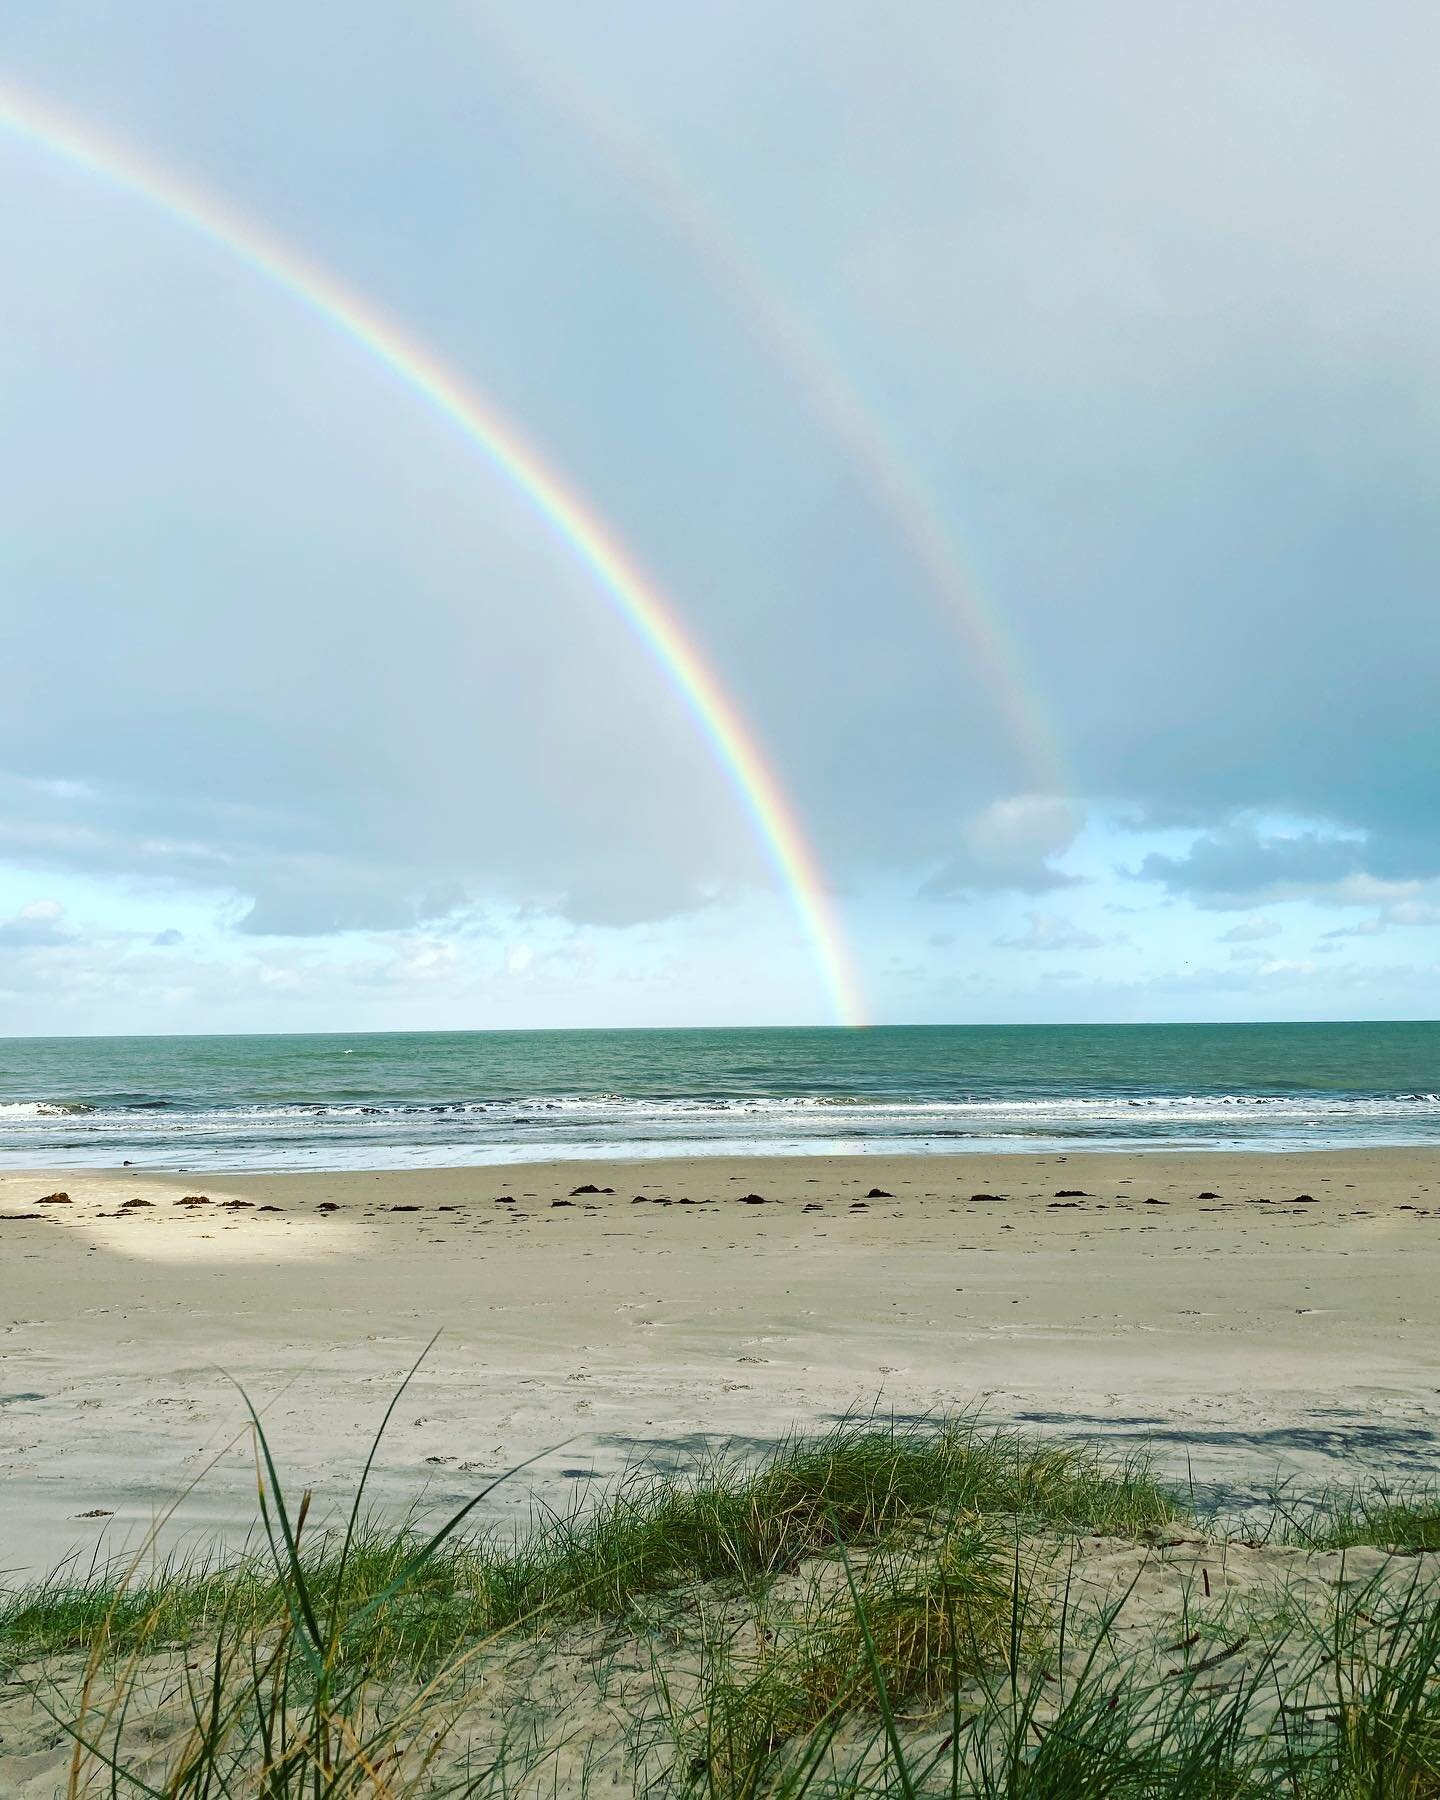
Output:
x,y
1228,1324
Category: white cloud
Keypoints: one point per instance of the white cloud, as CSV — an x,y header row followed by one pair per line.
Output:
x,y
1414,912
35,926
426,959
1010,844
1251,930
1403,908
1047,931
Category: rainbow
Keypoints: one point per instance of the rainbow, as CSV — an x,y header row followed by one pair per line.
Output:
x,y
915,513
639,603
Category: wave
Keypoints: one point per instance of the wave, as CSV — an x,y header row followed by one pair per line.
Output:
x,y
690,1105
356,1132
44,1109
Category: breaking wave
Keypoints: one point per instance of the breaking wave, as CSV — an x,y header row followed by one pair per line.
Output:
x,y
155,1130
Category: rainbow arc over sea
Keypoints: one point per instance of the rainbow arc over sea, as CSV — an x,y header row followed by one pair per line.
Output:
x,y
651,616
892,479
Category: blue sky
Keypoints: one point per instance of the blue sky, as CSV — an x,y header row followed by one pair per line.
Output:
x,y
310,723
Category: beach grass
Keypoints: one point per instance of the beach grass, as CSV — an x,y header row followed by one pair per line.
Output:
x,y
723,1520
1345,1704
887,1609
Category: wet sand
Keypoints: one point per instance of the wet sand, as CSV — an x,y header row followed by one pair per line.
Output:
x,y
1188,1301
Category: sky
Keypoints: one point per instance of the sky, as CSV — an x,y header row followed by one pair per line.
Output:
x,y
1031,413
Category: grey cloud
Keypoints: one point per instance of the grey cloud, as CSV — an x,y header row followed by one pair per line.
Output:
x,y
1236,866
315,896
1239,866
609,894
1175,390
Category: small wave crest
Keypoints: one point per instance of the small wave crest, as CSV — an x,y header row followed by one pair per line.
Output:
x,y
44,1109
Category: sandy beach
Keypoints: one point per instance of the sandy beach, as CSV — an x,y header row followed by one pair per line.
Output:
x,y
1243,1315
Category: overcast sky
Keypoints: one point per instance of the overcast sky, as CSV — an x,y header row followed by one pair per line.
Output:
x,y
310,722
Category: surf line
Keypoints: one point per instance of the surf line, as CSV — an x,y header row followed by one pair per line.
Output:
x,y
651,616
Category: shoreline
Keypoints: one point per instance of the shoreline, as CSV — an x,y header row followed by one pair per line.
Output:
x,y
1188,1303
764,1153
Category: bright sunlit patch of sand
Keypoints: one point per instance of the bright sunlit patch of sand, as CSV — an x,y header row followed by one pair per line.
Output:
x,y
163,1232
177,1241
147,1219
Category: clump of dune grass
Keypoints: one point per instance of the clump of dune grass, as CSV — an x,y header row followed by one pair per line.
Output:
x,y
855,1486
901,1629
1355,1715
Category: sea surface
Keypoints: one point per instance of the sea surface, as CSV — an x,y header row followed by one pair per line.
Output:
x,y
397,1100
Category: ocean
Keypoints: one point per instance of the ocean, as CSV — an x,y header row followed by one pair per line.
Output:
x,y
408,1099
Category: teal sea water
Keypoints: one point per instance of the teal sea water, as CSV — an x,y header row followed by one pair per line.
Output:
x,y
397,1100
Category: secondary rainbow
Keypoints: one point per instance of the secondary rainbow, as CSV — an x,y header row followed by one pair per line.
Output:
x,y
901,493
633,595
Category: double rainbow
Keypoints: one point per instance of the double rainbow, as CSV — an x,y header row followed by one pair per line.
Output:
x,y
893,481
640,604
